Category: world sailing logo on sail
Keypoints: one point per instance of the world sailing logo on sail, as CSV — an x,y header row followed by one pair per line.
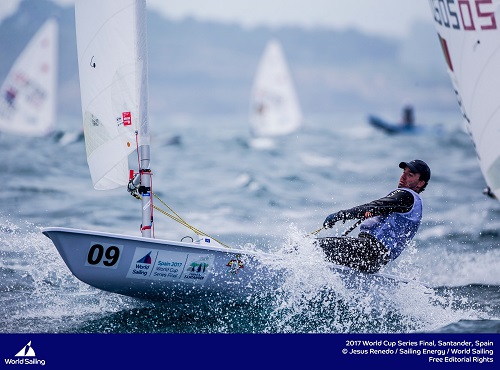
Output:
x,y
471,15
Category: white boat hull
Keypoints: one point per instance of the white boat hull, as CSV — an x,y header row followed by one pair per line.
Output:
x,y
174,271
160,269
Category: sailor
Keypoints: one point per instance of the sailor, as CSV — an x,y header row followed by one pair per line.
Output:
x,y
407,116
388,223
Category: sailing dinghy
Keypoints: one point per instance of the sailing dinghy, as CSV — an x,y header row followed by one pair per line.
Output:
x,y
274,105
470,40
112,58
28,94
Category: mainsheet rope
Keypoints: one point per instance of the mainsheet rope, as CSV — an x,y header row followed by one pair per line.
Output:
x,y
174,216
345,232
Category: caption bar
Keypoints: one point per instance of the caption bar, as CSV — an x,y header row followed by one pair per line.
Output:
x,y
436,351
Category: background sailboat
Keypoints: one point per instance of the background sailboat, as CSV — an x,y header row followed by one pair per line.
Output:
x,y
470,40
274,105
28,94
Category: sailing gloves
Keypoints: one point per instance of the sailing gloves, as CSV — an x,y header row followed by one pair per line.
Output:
x,y
333,218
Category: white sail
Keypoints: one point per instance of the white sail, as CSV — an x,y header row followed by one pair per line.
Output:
x,y
112,60
470,38
274,106
28,94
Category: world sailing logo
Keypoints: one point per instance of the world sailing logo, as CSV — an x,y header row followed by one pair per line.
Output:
x,y
146,259
27,351
26,356
142,265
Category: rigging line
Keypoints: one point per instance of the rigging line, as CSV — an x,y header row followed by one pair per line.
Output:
x,y
180,220
166,205
352,227
317,231
192,228
345,232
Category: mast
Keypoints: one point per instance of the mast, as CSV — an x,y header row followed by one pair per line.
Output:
x,y
145,192
144,136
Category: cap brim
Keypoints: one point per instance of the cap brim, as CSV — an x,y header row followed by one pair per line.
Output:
x,y
412,168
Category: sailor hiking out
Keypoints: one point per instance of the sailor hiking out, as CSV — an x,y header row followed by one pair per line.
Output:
x,y
387,224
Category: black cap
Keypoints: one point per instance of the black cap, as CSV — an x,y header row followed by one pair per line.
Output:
x,y
418,166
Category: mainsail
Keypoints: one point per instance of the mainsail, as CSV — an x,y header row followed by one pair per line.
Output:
x,y
28,94
112,62
470,39
274,106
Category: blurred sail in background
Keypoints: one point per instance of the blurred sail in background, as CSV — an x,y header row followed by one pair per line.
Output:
x,y
28,94
274,106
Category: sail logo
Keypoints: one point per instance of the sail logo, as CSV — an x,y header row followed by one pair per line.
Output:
x,y
127,118
26,351
26,356
469,15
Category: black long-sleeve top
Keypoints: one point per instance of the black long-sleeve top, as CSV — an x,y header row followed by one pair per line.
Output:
x,y
399,200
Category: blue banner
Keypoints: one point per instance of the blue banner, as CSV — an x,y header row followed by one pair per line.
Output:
x,y
247,351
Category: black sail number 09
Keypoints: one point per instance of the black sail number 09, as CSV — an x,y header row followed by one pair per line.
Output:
x,y
97,252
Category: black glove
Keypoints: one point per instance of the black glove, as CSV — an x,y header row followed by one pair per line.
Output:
x,y
333,218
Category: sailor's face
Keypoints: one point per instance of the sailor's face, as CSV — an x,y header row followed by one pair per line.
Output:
x,y
410,180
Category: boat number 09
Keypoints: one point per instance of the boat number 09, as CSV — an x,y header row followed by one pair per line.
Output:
x,y
108,256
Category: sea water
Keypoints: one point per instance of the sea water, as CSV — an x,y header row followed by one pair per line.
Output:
x,y
269,197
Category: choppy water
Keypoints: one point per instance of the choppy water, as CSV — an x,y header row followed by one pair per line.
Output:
x,y
219,181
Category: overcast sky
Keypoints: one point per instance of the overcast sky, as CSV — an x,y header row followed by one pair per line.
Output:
x,y
387,17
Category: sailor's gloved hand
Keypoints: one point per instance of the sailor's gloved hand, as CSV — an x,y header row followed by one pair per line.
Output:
x,y
333,218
